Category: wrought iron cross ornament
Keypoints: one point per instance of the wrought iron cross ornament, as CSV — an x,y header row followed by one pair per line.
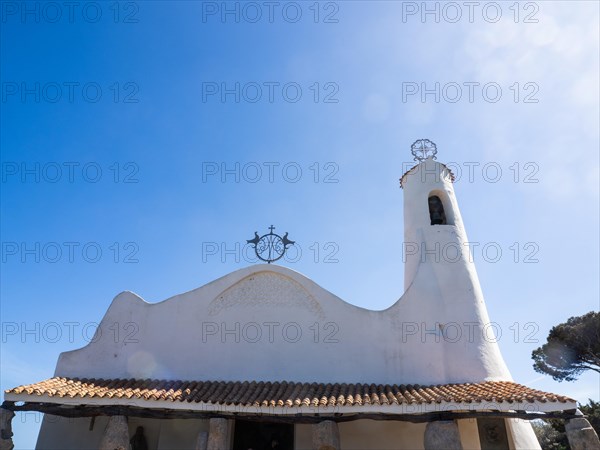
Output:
x,y
270,247
423,149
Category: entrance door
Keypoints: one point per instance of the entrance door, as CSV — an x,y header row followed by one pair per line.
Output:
x,y
263,436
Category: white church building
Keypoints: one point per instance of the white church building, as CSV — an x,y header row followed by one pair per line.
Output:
x,y
265,358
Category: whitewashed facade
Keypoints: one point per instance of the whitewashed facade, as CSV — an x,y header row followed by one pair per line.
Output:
x,y
271,324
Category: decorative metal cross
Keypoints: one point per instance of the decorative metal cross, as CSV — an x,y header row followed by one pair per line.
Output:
x,y
270,247
423,149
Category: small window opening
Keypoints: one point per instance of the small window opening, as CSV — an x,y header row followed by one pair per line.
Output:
x,y
436,211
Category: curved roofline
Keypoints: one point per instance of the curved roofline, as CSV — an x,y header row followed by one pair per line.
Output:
x,y
224,282
452,177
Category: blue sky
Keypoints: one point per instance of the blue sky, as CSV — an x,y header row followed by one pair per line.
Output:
x,y
114,149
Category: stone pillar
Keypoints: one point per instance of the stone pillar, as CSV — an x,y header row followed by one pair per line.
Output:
x,y
218,434
442,435
581,435
116,434
326,436
6,434
202,441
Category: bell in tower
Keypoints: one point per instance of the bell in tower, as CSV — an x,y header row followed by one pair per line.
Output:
x,y
436,211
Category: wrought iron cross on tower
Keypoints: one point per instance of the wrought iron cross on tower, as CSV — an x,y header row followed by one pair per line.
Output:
x,y
423,149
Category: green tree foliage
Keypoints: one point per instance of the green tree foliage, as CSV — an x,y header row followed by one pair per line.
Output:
x,y
572,347
549,437
592,411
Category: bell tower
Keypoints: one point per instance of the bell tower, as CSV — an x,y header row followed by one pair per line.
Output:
x,y
433,227
442,286
437,259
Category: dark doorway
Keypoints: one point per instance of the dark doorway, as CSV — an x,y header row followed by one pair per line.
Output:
x,y
263,436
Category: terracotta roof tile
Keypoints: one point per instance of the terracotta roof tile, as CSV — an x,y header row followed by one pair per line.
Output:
x,y
286,394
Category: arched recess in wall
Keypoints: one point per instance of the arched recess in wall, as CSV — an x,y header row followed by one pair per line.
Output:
x,y
440,208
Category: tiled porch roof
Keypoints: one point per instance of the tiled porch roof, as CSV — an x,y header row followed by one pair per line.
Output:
x,y
285,394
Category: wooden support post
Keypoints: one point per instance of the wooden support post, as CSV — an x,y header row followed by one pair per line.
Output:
x,y
218,434
326,436
116,434
581,435
442,435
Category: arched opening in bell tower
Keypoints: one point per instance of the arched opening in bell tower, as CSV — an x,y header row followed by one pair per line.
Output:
x,y
436,211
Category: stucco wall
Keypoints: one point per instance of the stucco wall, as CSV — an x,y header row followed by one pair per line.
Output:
x,y
58,433
369,435
271,323
469,435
